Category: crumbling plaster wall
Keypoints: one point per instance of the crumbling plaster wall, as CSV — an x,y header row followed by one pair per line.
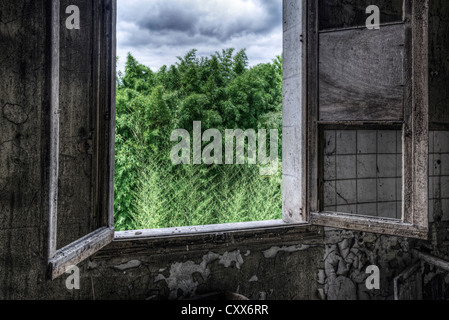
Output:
x,y
349,253
262,265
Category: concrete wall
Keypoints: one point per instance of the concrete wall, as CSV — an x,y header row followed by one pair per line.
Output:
x,y
286,263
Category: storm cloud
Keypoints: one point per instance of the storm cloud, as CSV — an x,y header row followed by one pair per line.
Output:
x,y
158,31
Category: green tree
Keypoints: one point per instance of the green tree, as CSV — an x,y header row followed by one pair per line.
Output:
x,y
222,92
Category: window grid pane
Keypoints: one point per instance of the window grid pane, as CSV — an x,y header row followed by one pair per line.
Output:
x,y
363,172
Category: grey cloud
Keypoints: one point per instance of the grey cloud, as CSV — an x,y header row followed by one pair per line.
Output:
x,y
157,31
274,7
170,18
163,38
236,29
163,19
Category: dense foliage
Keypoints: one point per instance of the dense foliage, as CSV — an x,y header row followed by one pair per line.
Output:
x,y
222,92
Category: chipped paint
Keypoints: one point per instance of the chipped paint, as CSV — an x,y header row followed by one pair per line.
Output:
x,y
273,252
346,258
91,265
231,257
181,273
253,279
129,265
181,278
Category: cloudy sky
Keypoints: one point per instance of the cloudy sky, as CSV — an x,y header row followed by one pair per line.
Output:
x,y
157,31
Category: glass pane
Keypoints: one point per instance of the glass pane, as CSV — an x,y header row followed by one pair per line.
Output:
x,y
362,172
335,14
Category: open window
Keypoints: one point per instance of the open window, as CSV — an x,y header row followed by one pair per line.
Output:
x,y
80,127
355,124
367,123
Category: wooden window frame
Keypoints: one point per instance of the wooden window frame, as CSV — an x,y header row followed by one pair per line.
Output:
x,y
61,260
415,130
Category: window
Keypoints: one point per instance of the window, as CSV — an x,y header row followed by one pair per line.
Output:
x,y
355,125
367,120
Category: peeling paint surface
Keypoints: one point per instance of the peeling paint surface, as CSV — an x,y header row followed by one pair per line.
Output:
x,y
254,279
181,280
273,252
129,265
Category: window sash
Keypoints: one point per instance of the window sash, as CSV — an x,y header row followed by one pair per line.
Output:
x,y
59,261
415,133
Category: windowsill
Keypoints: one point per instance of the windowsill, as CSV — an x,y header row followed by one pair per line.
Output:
x,y
210,237
204,230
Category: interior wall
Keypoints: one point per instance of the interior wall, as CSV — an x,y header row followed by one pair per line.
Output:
x,y
23,62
